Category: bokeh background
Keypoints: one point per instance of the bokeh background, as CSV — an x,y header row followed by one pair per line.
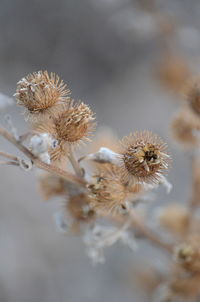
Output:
x,y
108,52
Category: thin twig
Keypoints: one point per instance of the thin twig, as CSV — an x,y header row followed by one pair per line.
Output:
x,y
75,163
9,163
38,163
9,156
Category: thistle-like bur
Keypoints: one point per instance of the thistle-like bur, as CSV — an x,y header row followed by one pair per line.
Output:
x,y
173,72
184,128
40,93
108,193
75,124
71,126
144,158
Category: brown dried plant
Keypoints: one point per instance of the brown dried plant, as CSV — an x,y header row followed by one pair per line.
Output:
x,y
119,175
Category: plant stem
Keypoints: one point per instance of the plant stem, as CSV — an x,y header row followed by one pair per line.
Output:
x,y
75,163
38,163
9,156
13,163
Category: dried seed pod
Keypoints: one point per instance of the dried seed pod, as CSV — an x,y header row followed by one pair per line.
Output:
x,y
188,255
183,128
73,125
108,193
173,72
41,94
175,218
143,158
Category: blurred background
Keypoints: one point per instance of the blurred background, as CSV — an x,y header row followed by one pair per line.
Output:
x,y
114,55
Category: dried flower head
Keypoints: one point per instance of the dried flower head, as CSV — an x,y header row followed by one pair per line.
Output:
x,y
173,72
108,193
143,158
51,186
175,218
40,93
74,124
188,255
192,94
71,126
183,128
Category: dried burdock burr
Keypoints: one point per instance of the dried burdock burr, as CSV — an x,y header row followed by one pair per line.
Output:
x,y
70,127
108,193
173,72
144,158
184,128
41,94
175,218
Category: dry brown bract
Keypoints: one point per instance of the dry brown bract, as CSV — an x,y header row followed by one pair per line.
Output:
x,y
108,193
143,158
73,125
79,208
51,186
175,218
183,128
40,93
173,72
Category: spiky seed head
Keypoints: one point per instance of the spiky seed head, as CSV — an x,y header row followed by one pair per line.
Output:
x,y
173,72
175,218
108,193
71,126
75,124
188,254
40,92
184,127
143,158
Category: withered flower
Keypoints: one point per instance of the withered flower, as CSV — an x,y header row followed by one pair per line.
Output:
x,y
143,158
73,125
175,218
173,72
108,193
188,255
41,94
183,128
